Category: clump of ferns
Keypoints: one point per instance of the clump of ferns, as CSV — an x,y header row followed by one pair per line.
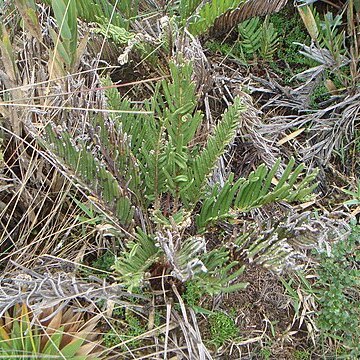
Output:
x,y
149,175
60,333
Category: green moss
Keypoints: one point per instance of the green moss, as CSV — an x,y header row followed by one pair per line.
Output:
x,y
222,328
319,94
130,328
193,293
301,355
104,262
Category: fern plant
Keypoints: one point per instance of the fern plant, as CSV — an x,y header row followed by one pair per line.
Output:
x,y
143,166
161,144
258,39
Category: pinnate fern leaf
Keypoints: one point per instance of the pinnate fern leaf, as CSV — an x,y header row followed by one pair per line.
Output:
x,y
258,38
87,168
132,264
205,162
221,273
255,191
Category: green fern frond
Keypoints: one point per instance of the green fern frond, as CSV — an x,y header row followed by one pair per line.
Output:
x,y
269,40
137,126
221,274
255,191
258,38
132,263
181,123
145,143
181,100
129,41
250,35
160,143
205,162
218,203
89,169
205,18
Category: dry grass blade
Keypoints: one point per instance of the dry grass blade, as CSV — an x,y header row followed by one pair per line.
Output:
x,y
190,331
328,127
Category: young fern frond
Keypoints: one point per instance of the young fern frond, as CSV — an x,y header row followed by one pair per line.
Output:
x,y
188,259
269,40
180,219
180,100
132,263
181,123
145,142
